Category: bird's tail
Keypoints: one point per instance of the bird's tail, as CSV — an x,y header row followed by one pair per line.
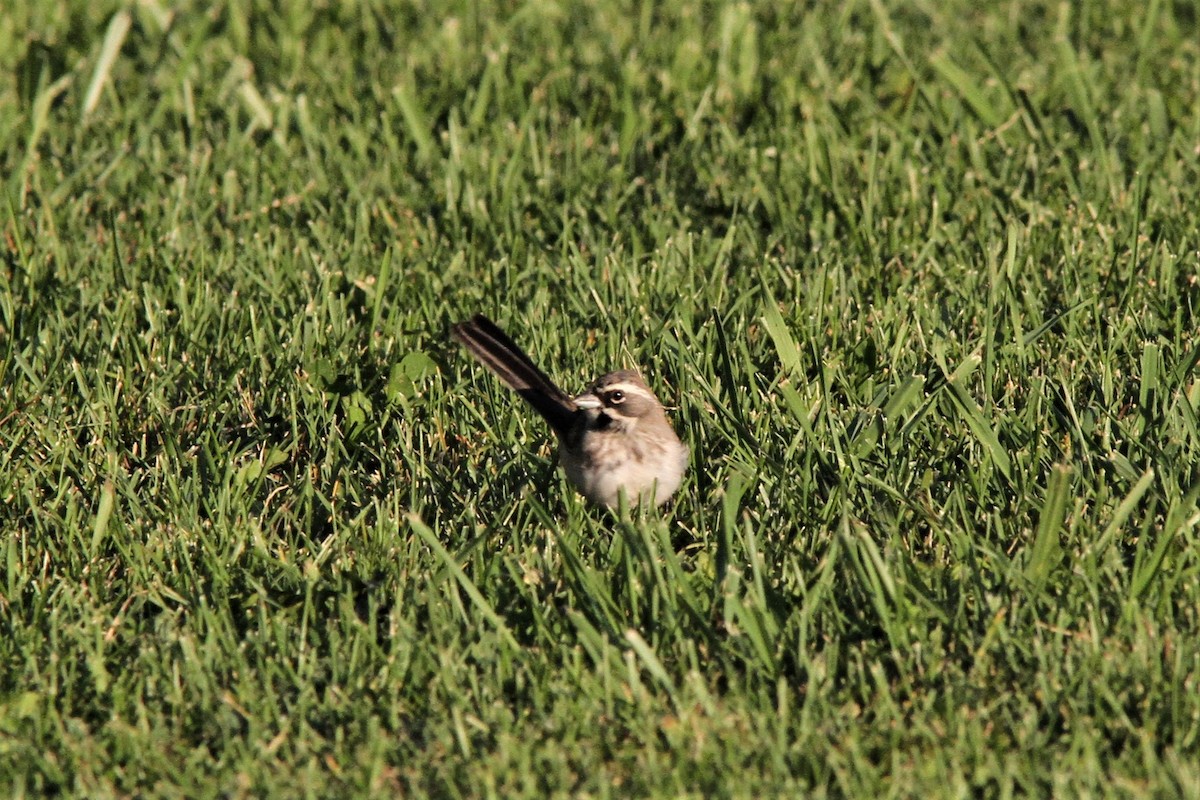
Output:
x,y
501,355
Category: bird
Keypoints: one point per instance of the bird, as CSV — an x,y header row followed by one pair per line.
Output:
x,y
613,439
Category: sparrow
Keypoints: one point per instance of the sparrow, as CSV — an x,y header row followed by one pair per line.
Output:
x,y
613,438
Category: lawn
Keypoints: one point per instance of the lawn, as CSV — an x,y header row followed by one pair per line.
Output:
x,y
917,280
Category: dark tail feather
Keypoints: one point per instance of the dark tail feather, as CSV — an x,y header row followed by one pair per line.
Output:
x,y
501,355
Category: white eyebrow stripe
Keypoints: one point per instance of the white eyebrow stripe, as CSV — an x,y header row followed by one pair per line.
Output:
x,y
628,388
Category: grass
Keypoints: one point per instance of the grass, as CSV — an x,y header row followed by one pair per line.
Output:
x,y
920,280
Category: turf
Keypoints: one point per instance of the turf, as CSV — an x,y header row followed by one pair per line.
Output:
x,y
919,281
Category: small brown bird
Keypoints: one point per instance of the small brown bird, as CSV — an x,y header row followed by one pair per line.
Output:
x,y
613,438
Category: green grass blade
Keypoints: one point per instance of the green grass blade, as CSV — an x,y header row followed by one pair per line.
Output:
x,y
1047,550
962,82
982,430
104,513
785,345
1148,387
1124,510
416,123
1183,516
114,39
427,535
650,662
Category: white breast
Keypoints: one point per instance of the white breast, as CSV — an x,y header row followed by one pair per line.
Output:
x,y
607,464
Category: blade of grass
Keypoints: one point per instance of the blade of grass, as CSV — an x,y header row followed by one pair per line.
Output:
x,y
1148,387
900,399
103,514
1047,549
970,91
1123,511
1182,516
785,345
416,123
477,599
114,38
971,414
651,663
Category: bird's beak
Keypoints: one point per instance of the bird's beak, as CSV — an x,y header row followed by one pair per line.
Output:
x,y
588,400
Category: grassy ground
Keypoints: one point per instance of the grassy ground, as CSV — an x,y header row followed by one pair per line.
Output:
x,y
920,280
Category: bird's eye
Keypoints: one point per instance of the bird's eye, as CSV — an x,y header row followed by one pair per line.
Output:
x,y
616,397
